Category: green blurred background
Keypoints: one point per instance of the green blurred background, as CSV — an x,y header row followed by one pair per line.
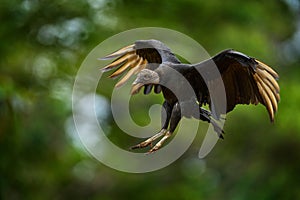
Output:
x,y
42,45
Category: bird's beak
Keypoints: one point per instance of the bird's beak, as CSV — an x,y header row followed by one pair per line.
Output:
x,y
136,87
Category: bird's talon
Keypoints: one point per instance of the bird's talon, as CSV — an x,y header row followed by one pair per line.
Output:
x,y
134,147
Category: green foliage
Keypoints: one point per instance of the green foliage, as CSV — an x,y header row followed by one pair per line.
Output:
x,y
42,46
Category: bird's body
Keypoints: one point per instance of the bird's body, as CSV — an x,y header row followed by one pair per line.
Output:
x,y
187,87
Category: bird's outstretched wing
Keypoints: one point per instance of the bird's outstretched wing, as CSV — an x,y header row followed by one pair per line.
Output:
x,y
131,59
246,80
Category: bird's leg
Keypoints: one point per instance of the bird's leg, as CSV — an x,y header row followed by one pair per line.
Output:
x,y
165,119
205,115
166,115
174,120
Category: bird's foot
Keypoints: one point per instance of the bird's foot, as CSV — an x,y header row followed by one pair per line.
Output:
x,y
149,140
160,143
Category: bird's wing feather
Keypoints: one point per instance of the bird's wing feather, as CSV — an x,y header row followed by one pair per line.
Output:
x,y
128,60
246,80
131,59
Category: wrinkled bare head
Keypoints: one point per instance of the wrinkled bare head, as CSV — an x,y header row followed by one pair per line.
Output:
x,y
145,77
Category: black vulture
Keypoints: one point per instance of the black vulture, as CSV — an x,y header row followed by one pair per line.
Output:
x,y
246,80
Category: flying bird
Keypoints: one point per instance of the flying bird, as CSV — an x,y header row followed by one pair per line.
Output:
x,y
244,79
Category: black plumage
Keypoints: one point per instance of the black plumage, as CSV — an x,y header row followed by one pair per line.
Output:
x,y
242,79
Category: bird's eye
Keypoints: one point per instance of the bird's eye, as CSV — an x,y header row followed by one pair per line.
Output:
x,y
147,77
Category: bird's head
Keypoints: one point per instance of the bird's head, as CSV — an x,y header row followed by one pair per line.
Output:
x,y
145,77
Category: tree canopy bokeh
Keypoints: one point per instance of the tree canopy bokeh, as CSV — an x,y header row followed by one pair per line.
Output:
x,y
42,46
